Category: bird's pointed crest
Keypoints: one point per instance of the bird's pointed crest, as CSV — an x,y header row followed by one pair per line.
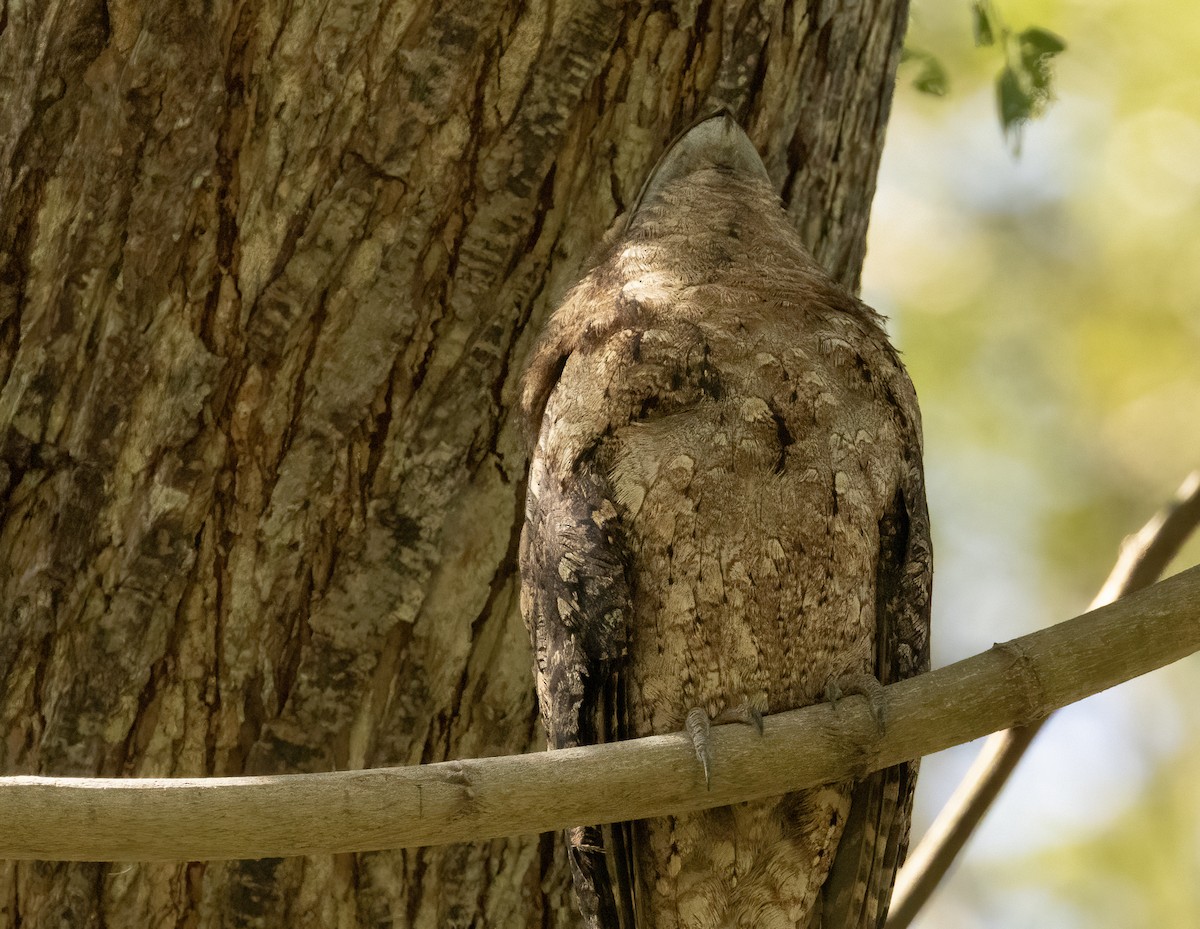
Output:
x,y
716,141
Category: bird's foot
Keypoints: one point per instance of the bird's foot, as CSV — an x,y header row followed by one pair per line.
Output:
x,y
866,685
697,725
743,713
699,722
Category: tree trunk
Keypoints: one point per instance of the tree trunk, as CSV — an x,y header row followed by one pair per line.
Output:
x,y
268,273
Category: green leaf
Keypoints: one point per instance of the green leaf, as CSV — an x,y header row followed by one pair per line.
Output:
x,y
981,22
1016,104
931,78
1037,48
1041,41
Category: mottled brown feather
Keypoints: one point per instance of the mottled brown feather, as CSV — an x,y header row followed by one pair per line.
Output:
x,y
725,507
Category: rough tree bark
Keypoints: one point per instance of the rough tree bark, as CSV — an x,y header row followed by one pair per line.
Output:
x,y
268,273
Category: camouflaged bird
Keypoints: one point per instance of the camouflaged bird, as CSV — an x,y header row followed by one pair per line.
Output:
x,y
726,510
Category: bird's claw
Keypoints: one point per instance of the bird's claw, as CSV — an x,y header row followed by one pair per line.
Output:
x,y
866,685
744,713
697,727
699,722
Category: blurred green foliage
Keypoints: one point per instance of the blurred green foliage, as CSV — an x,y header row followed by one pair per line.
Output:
x,y
1024,84
1048,308
930,77
1139,868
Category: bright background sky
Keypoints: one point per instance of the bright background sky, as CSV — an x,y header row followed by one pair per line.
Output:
x,y
1048,309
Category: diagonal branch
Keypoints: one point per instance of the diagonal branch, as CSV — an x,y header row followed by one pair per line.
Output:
x,y
92,819
1143,557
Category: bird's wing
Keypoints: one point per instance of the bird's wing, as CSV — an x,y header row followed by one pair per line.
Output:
x,y
875,840
575,597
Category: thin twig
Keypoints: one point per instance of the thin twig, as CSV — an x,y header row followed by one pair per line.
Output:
x,y
94,819
1143,557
